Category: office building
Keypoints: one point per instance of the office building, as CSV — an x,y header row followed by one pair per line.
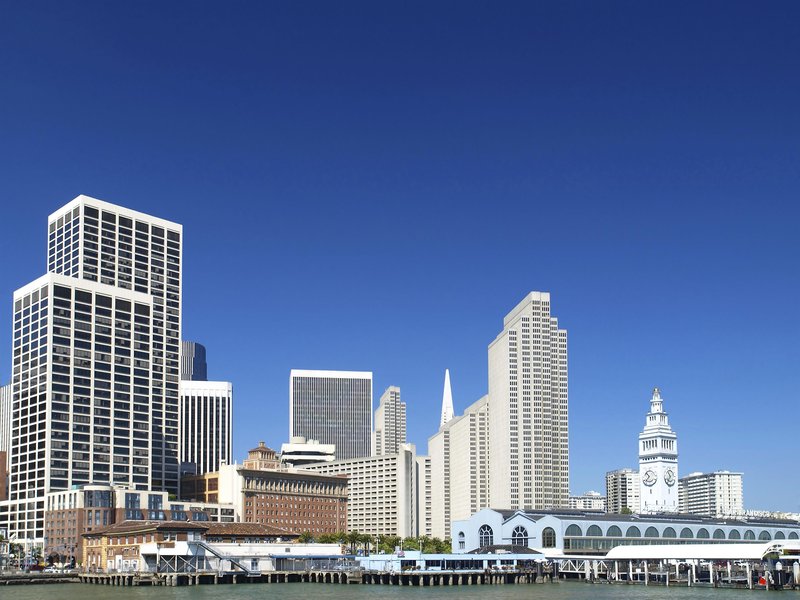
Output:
x,y
5,418
334,407
622,491
424,496
299,452
382,491
589,501
261,491
717,494
459,459
528,409
658,461
206,424
96,360
193,362
390,423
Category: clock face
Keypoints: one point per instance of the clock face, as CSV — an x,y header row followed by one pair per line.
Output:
x,y
669,477
649,478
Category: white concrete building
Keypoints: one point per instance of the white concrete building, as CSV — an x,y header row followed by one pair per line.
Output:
x,y
447,400
5,419
528,409
299,452
206,424
390,423
589,501
96,360
622,491
382,491
658,461
424,497
717,494
334,407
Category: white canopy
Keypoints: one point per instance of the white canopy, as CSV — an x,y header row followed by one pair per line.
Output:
x,y
740,551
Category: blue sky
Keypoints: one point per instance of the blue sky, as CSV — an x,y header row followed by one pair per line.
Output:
x,y
373,186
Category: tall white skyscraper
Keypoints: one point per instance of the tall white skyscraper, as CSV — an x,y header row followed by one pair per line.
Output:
x,y
206,419
390,423
96,360
622,491
717,494
332,407
528,409
5,419
658,461
447,400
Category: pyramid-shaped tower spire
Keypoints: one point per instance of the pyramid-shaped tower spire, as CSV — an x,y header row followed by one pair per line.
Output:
x,y
447,399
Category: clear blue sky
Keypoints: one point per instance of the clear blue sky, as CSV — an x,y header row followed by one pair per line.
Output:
x,y
373,186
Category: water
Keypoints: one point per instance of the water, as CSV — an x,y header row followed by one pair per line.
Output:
x,y
318,591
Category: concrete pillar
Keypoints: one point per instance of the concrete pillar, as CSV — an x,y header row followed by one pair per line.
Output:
x,y
630,571
646,574
749,576
616,570
729,572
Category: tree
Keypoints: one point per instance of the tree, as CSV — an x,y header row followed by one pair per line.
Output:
x,y
626,511
305,538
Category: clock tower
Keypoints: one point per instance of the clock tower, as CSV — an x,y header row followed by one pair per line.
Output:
x,y
658,461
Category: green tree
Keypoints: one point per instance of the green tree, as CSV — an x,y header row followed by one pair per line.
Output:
x,y
305,538
626,511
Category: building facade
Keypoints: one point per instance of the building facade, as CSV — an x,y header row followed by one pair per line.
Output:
x,y
589,501
622,491
96,360
583,533
390,423
299,452
262,492
528,409
206,424
334,407
193,362
5,419
658,461
382,492
717,494
447,400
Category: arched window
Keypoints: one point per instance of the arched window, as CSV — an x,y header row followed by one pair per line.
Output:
x,y
519,537
461,540
779,535
686,533
793,535
485,535
594,531
702,534
764,536
548,537
719,534
614,531
633,531
749,535
573,530
651,532
669,532
734,534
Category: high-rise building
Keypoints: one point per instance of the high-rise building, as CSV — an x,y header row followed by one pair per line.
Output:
x,y
390,423
96,360
382,491
528,409
193,362
459,459
658,461
447,400
299,451
717,494
5,418
424,497
334,407
206,424
622,491
589,501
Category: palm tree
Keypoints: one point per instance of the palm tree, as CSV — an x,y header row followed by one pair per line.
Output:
x,y
305,538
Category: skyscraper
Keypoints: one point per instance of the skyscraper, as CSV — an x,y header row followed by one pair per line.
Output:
x,y
96,360
622,491
447,400
528,416
333,407
390,423
193,362
658,460
206,419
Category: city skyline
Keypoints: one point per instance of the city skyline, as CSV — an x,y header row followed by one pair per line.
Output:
x,y
369,200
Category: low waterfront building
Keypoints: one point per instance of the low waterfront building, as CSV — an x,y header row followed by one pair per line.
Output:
x,y
71,513
595,533
261,491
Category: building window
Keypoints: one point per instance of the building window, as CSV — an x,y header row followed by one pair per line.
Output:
x,y
573,530
633,532
485,536
519,537
594,531
461,543
548,537
614,531
651,532
686,533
